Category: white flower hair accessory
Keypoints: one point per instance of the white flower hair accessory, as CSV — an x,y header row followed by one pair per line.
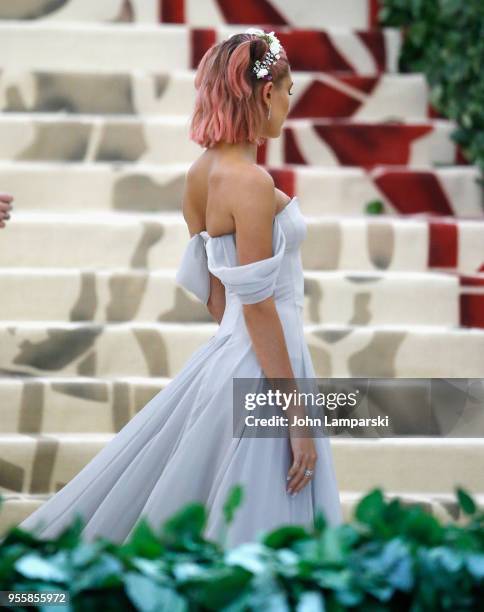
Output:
x,y
262,67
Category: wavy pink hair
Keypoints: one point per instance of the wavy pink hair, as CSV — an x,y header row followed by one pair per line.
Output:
x,y
228,106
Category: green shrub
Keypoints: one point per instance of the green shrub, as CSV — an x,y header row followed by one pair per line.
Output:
x,y
444,39
390,556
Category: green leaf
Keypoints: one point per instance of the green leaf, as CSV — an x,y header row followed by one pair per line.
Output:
x,y
320,522
267,594
107,571
143,541
333,546
233,501
252,556
153,568
85,553
218,586
375,207
422,526
65,607
187,524
371,507
385,567
35,567
466,502
285,536
186,571
311,601
148,596
475,564
70,537
337,580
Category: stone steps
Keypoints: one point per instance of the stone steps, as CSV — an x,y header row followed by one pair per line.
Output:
x,y
171,92
332,297
43,11
130,138
53,404
162,349
51,186
444,507
155,241
100,46
347,13
41,464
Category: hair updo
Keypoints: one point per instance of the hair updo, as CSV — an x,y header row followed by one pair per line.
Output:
x,y
228,106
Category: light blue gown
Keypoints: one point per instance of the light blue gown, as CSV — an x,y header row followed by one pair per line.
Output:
x,y
180,447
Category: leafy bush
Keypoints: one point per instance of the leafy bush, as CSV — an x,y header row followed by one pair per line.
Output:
x,y
391,556
444,39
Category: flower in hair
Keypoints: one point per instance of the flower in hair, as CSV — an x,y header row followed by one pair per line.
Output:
x,y
262,67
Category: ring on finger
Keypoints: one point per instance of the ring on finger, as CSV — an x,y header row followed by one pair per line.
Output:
x,y
308,473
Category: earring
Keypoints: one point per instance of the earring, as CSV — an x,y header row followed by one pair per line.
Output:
x,y
269,113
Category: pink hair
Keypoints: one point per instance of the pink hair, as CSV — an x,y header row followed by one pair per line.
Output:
x,y
227,106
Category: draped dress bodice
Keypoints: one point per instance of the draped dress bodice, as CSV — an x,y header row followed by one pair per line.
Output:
x,y
280,275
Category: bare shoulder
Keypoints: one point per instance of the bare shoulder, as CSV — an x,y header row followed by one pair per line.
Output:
x,y
253,210
193,194
252,173
250,190
258,187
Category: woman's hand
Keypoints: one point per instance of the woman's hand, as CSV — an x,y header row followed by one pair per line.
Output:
x,y
5,207
304,458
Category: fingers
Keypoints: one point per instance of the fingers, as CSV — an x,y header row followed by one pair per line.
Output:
x,y
293,473
296,475
295,465
5,207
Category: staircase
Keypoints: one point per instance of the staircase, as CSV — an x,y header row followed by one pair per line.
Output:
x,y
94,147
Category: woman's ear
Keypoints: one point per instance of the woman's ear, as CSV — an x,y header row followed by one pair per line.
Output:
x,y
267,91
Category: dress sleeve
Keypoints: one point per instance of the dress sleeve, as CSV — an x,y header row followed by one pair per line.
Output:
x,y
193,273
252,282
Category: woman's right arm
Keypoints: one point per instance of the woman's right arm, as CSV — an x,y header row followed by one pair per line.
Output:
x,y
253,211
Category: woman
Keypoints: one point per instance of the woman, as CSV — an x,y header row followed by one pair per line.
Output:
x,y
243,261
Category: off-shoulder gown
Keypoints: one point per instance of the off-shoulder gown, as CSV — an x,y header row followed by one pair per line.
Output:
x,y
180,446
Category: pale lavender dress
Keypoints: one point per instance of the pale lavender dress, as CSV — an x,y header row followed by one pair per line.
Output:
x,y
180,446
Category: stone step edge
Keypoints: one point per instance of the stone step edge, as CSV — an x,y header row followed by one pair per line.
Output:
x,y
139,27
189,73
20,503
182,120
136,166
87,379
396,442
116,217
170,272
189,327
348,495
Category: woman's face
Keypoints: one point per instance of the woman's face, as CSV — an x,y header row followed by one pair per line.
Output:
x,y
278,98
